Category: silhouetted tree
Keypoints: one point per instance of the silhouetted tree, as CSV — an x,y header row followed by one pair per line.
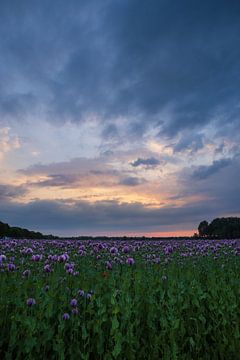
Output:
x,y
220,228
203,228
19,233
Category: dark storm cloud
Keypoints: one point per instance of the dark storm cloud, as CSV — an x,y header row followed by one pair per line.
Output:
x,y
218,185
204,171
121,58
79,217
110,132
149,162
63,180
101,216
131,181
10,192
189,142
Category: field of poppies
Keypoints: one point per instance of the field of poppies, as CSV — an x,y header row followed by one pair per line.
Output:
x,y
146,299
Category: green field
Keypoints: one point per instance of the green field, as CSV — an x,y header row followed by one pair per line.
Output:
x,y
181,302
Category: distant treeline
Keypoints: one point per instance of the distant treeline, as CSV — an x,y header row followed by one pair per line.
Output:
x,y
220,228
19,233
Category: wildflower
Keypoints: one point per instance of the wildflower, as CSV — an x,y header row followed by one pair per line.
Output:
x,y
11,267
168,249
80,292
66,316
113,250
70,271
108,265
75,311
126,249
47,268
2,258
28,251
88,296
26,273
100,246
31,302
130,261
63,257
36,257
46,288
73,303
68,266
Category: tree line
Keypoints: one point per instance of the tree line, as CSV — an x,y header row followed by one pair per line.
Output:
x,y
19,233
220,228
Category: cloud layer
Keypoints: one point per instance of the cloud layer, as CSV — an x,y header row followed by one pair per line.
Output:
x,y
122,112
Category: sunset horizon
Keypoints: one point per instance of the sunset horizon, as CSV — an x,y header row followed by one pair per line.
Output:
x,y
113,120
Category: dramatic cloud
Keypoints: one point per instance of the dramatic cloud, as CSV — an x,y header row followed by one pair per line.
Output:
x,y
121,58
151,162
203,172
82,217
9,192
57,180
131,181
119,106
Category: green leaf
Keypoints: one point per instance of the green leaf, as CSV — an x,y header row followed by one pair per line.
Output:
x,y
117,349
30,343
115,323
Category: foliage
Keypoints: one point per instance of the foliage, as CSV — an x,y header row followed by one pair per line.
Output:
x,y
178,300
19,233
221,228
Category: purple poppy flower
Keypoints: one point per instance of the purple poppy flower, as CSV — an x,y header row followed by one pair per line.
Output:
x,y
47,268
63,257
31,302
80,292
29,251
113,250
126,249
68,266
26,273
11,267
75,311
66,316
36,257
100,246
168,249
108,265
2,258
73,303
130,261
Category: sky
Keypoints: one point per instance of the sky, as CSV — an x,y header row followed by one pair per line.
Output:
x,y
119,117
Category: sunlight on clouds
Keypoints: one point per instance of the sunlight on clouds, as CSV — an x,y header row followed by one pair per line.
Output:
x,y
159,148
92,194
8,142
